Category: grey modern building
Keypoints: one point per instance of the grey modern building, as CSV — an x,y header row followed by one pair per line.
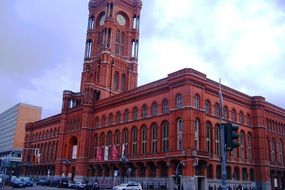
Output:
x,y
12,135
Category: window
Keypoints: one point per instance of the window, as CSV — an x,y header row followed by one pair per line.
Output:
x,y
217,110
134,141
165,106
244,174
165,136
97,122
234,115
91,23
196,126
88,49
242,144
135,113
154,109
116,81
241,119
179,101
144,111
280,152
225,112
208,137
126,116
217,140
247,120
118,117
117,139
144,140
110,119
218,172
208,107
249,149
123,83
196,101
154,139
272,150
120,43
103,121
179,134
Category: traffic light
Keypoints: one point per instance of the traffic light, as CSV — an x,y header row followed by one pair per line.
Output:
x,y
231,136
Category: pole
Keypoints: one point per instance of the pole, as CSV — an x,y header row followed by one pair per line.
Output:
x,y
223,146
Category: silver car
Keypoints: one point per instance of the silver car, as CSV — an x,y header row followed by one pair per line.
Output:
x,y
128,186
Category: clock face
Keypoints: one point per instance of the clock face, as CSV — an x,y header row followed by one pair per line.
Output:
x,y
121,19
102,20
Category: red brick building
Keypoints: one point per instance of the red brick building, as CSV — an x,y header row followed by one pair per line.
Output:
x,y
144,133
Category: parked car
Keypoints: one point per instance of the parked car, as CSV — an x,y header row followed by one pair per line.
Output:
x,y
61,182
44,182
92,185
17,183
77,185
27,181
128,186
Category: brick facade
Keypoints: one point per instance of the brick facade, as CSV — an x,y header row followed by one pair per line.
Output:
x,y
158,124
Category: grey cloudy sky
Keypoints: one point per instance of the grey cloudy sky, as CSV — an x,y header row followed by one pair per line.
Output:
x,y
242,42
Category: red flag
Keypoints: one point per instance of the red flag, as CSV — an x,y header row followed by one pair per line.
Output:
x,y
99,154
114,153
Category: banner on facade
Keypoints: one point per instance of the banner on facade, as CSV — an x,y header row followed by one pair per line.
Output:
x,y
99,154
114,153
106,153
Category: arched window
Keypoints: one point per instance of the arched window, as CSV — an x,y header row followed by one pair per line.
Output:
x,y
208,137
280,152
234,115
247,120
179,101
97,122
210,171
123,83
134,141
154,138
74,146
241,118
88,49
110,119
217,140
126,116
179,134
208,107
135,113
244,174
165,106
95,145
120,43
249,146
272,150
103,124
251,175
154,109
242,145
196,101
118,117
225,112
91,22
218,172
165,136
197,126
217,109
236,173
144,111
116,81
144,140
117,139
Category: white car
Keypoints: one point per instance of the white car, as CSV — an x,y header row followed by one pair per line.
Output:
x,y
128,186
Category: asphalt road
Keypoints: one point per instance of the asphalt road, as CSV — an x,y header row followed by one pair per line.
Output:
x,y
35,187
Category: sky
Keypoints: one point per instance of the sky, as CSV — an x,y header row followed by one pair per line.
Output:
x,y
242,42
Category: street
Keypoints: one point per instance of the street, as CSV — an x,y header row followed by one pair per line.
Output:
x,y
35,187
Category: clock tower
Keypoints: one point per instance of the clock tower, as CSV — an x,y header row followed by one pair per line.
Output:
x,y
111,52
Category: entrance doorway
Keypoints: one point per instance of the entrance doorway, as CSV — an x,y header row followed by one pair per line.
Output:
x,y
201,182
